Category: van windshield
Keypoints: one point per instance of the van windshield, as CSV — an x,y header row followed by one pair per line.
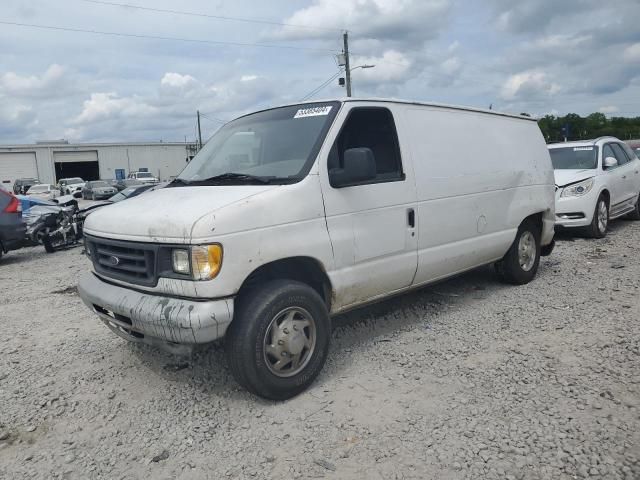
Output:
x,y
273,146
574,158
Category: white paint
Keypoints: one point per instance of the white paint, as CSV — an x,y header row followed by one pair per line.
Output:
x,y
468,204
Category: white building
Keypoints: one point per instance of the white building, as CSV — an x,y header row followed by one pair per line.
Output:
x,y
51,161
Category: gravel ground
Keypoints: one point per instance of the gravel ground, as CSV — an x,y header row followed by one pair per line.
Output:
x,y
466,379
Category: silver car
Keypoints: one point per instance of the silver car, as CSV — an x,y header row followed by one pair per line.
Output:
x,y
98,189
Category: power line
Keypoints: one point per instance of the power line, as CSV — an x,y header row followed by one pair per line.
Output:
x,y
206,15
175,39
321,86
213,119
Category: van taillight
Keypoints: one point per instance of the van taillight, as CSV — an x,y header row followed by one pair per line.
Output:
x,y
14,206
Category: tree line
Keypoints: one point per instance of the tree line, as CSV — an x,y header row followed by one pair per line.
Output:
x,y
575,127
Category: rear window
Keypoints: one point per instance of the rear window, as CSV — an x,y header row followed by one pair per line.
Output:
x,y
574,158
144,175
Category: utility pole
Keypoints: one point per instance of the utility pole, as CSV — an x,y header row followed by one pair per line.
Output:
x,y
347,67
199,132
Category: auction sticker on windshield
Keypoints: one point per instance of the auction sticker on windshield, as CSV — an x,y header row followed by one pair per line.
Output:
x,y
313,112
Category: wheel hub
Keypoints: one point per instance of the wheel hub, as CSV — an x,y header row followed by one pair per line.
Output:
x,y
289,342
527,251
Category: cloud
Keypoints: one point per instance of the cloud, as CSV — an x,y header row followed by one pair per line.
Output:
x,y
528,16
401,21
175,80
14,84
391,66
529,85
609,109
102,106
632,53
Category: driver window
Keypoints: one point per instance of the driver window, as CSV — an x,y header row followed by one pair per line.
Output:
x,y
619,153
375,129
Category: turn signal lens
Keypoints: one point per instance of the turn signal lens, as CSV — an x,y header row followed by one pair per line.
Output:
x,y
206,261
180,261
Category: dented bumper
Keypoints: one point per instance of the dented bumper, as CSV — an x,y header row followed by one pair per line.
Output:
x,y
155,319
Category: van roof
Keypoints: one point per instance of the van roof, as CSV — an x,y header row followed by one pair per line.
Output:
x,y
404,102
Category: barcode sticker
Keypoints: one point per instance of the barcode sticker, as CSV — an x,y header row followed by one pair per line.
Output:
x,y
313,112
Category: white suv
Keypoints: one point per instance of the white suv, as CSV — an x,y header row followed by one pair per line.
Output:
x,y
596,181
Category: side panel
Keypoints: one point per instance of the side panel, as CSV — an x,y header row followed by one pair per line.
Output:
x,y
477,177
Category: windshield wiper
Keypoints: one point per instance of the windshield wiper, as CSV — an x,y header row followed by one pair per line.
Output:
x,y
177,181
243,177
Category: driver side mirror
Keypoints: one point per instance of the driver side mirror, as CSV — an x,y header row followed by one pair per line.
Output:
x,y
610,162
359,166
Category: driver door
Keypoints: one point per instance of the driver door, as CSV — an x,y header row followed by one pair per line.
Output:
x,y
371,224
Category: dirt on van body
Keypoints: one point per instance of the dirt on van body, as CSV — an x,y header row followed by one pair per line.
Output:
x,y
465,379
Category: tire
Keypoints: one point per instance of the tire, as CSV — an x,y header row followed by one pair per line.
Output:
x,y
598,229
275,310
520,263
635,215
48,247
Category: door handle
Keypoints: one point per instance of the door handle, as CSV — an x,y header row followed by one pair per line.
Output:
x,y
411,217
624,176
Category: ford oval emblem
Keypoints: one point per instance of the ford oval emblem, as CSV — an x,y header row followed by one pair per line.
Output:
x,y
113,260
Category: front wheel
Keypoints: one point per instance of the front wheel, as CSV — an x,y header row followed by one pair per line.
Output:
x,y
279,339
598,226
520,264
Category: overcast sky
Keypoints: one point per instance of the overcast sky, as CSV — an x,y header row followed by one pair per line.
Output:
x,y
536,56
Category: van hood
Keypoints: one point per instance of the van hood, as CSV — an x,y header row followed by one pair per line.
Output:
x,y
167,215
565,177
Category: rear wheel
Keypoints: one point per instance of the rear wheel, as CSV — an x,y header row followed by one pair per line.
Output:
x,y
520,264
635,215
600,221
279,339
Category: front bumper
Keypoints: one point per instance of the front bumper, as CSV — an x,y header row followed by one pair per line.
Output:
x,y
155,319
575,211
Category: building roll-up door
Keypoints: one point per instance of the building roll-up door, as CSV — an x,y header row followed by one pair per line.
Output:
x,y
14,165
83,164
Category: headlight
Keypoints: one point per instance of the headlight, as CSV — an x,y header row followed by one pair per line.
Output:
x,y
180,261
578,189
201,262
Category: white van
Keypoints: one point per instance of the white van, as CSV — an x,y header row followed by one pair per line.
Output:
x,y
292,214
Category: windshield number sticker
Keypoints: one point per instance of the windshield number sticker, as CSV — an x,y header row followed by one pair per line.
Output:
x,y
582,149
313,112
